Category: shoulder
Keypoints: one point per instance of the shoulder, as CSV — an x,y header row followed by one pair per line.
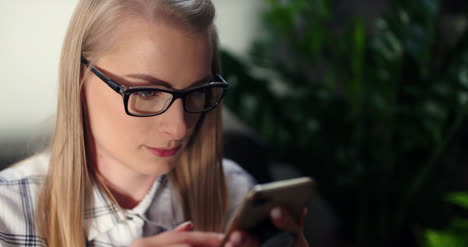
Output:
x,y
238,182
19,186
26,174
235,175
30,168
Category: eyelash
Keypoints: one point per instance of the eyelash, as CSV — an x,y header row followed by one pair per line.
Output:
x,y
152,92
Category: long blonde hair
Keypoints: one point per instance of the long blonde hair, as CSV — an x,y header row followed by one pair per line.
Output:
x,y
199,175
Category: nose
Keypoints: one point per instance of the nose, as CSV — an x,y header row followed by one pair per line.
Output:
x,y
172,122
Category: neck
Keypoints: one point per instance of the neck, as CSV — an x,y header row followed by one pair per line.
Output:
x,y
127,191
126,186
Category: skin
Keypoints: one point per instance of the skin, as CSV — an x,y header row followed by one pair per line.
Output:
x,y
119,142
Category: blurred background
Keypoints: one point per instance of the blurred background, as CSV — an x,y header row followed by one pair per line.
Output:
x,y
369,97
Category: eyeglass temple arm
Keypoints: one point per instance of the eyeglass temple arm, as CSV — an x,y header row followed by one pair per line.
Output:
x,y
220,77
116,87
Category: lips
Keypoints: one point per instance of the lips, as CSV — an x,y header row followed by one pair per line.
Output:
x,y
162,152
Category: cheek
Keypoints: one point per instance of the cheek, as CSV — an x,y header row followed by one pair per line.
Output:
x,y
105,112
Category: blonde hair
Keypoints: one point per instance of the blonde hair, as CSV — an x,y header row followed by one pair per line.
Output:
x,y
199,175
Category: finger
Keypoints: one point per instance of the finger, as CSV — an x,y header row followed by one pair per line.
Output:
x,y
250,241
171,238
302,218
199,239
284,221
235,239
241,238
184,227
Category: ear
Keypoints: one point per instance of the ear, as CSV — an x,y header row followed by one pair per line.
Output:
x,y
83,71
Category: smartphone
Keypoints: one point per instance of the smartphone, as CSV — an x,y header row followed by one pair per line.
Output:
x,y
253,215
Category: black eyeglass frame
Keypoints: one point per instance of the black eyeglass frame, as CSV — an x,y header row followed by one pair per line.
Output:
x,y
176,94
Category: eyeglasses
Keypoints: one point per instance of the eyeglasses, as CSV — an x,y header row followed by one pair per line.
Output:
x,y
144,101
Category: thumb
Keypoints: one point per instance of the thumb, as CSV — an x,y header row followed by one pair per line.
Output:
x,y
184,227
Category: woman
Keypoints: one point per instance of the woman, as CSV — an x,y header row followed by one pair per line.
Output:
x,y
129,162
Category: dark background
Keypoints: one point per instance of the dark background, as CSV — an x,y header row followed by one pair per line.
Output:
x,y
369,98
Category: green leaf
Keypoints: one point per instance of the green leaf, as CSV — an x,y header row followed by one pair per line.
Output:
x,y
443,239
430,7
463,77
459,199
459,225
462,98
387,45
359,42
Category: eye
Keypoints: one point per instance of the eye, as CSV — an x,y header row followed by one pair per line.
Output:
x,y
148,93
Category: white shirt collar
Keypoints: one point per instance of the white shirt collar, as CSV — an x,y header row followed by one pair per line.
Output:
x,y
102,215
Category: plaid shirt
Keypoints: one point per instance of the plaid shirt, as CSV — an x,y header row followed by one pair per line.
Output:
x,y
104,223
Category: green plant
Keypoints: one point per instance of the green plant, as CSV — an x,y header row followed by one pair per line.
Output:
x,y
456,234
369,114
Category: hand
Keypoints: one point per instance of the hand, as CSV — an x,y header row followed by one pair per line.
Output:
x,y
282,220
240,238
182,236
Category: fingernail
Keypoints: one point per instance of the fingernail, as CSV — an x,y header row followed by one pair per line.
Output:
x,y
236,238
186,226
276,213
221,236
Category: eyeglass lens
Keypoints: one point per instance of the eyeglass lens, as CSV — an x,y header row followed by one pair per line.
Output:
x,y
153,101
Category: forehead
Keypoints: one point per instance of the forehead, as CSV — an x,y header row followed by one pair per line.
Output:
x,y
159,49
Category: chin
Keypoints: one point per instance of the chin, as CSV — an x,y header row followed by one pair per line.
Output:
x,y
157,168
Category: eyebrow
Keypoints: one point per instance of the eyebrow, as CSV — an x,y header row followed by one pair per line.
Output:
x,y
160,82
